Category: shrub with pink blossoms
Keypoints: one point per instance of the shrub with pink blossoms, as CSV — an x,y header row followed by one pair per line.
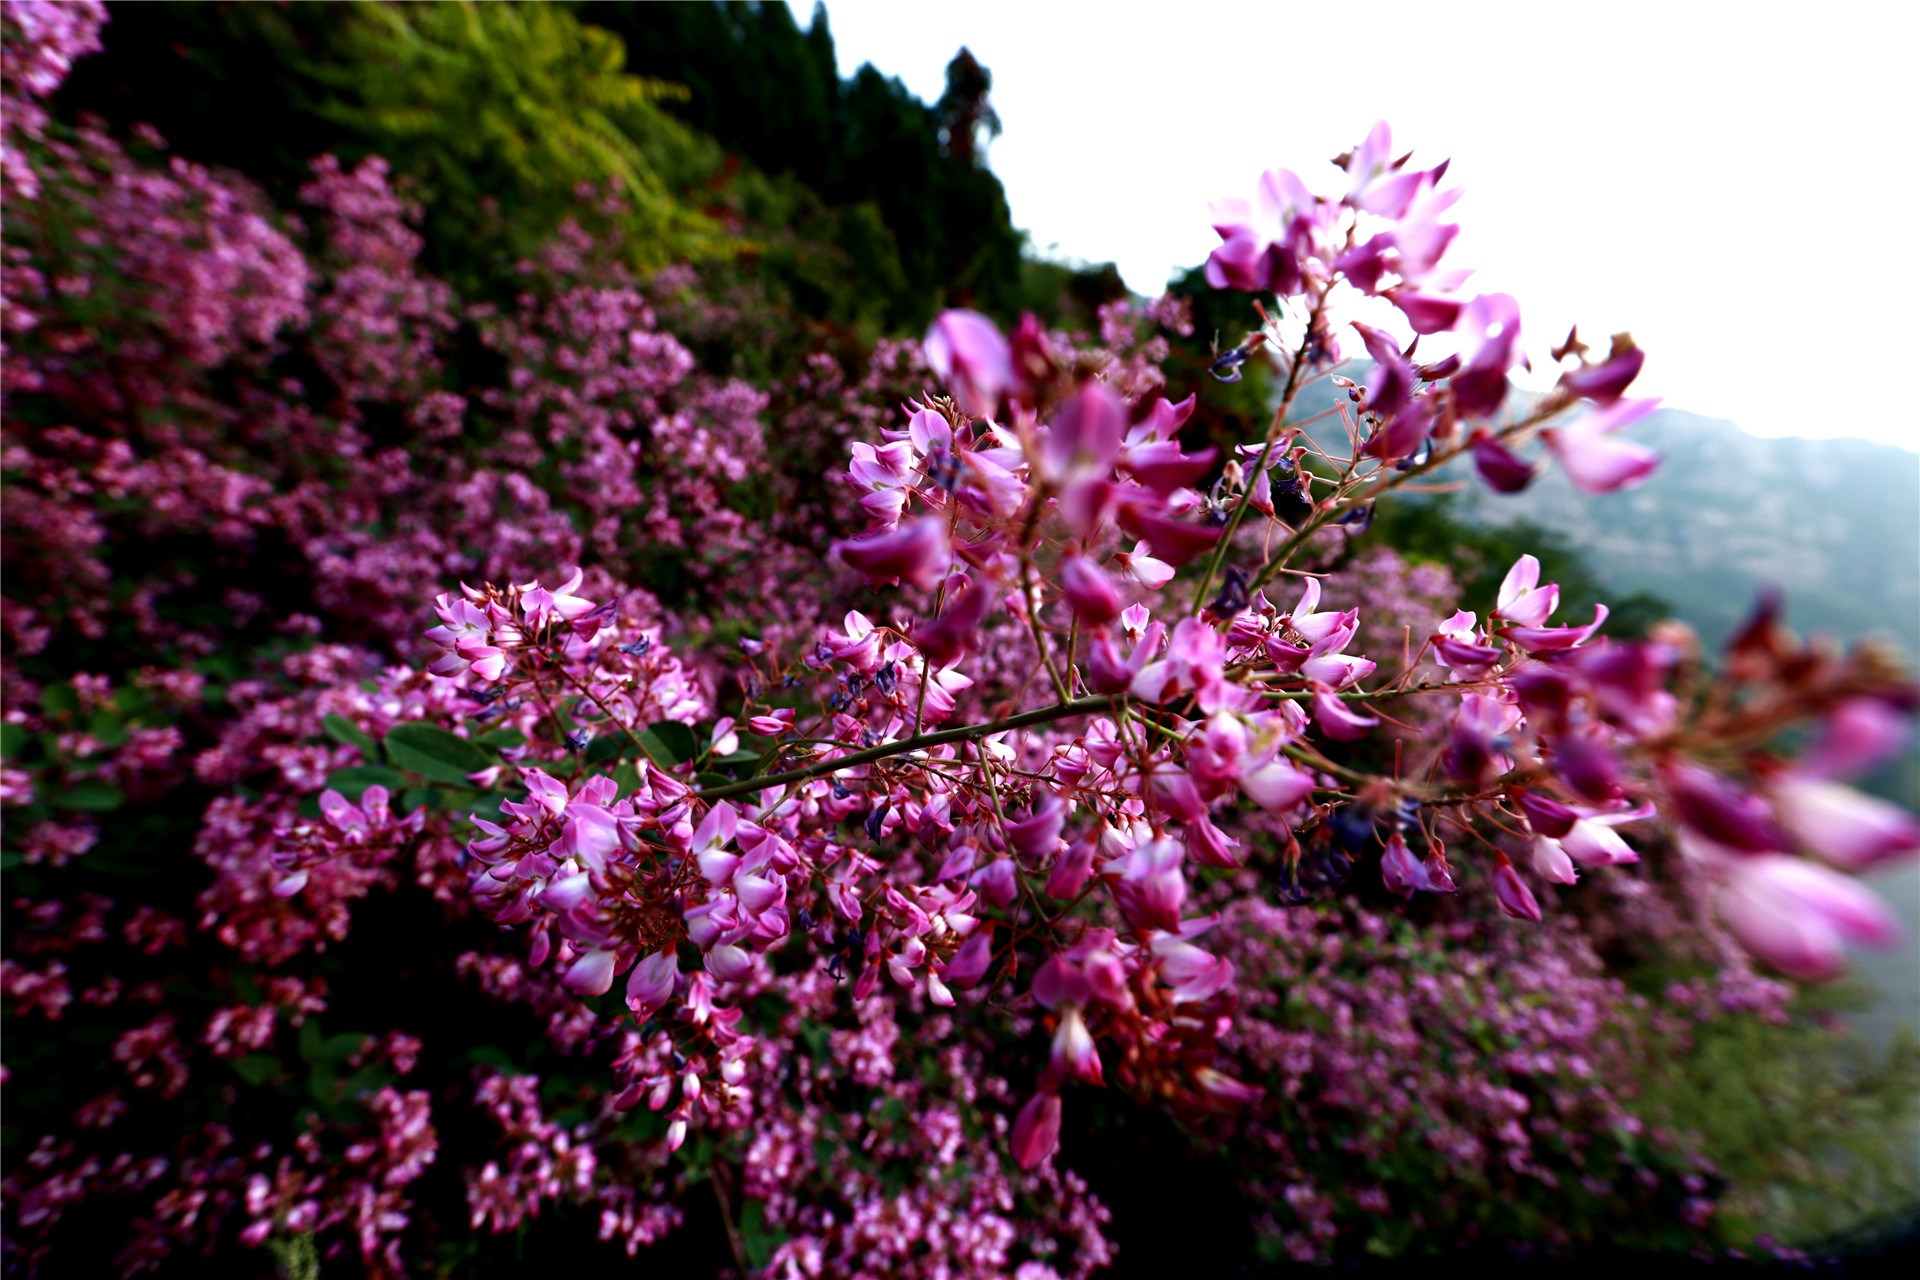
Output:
x,y
538,801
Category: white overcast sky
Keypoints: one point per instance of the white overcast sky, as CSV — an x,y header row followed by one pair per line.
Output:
x,y
1727,181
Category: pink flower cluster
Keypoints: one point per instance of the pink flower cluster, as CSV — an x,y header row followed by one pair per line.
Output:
x,y
918,803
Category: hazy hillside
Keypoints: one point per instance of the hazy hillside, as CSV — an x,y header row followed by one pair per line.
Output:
x,y
1834,523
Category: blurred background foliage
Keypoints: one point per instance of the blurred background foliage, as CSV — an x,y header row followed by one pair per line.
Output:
x,y
850,205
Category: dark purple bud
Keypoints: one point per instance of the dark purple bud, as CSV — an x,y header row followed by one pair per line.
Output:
x,y
954,632
1588,767
1171,540
1542,690
1233,592
1720,811
1478,392
1352,828
1358,520
1040,834
1545,815
1511,892
1392,382
1504,470
1107,671
1227,367
970,962
1604,383
1400,871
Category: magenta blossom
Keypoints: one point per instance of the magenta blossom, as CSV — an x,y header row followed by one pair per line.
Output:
x,y
971,356
1798,916
918,553
1594,460
1265,238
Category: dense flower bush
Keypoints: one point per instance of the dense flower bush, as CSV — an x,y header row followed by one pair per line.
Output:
x,y
380,881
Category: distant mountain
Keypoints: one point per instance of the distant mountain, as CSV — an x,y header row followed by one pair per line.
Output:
x,y
1834,523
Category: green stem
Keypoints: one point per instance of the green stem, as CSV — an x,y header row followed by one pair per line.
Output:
x,y
1298,362
919,741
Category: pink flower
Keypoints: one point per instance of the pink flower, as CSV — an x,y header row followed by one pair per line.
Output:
x,y
1140,565
1858,734
1502,469
1605,382
1489,330
1712,807
1089,591
1843,826
1152,888
1074,1054
591,973
1073,866
1512,894
773,724
1193,973
1264,238
1379,186
970,963
1336,719
1798,916
652,983
971,356
1593,459
1522,600
1193,664
918,552
1278,784
1036,1131
954,633
542,605
1392,383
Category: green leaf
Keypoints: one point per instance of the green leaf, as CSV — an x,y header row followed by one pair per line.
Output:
x,y
59,700
341,1046
495,739
89,794
256,1068
712,780
107,728
418,798
756,1240
676,742
487,1055
132,700
736,758
435,754
346,732
607,746
352,782
14,739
